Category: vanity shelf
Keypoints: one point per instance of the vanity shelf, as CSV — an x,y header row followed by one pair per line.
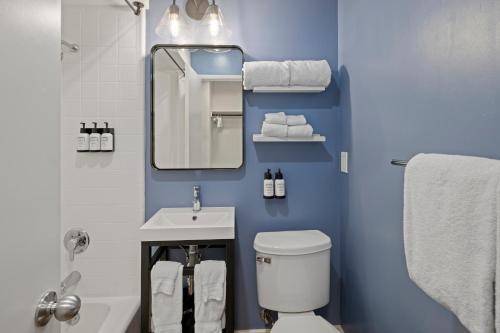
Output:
x,y
292,89
314,138
223,78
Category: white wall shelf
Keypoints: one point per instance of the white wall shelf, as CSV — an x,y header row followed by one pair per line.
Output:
x,y
224,78
313,138
291,89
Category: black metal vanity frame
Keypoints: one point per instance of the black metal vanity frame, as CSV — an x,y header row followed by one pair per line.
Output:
x,y
148,259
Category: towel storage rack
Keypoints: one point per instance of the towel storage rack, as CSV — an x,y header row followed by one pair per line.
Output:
x,y
401,163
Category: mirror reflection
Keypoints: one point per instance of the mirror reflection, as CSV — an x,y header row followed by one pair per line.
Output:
x,y
197,120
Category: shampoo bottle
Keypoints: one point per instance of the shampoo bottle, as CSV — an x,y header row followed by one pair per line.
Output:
x,y
107,138
268,185
95,138
82,143
279,185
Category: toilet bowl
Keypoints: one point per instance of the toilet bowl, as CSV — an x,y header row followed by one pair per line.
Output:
x,y
293,278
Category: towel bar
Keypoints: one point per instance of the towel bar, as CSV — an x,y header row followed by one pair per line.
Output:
x,y
402,163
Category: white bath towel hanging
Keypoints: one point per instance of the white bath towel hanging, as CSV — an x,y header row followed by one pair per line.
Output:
x,y
166,293
209,296
451,209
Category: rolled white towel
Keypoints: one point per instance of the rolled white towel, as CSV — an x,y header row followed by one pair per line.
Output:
x,y
274,130
310,73
265,73
296,120
276,118
300,131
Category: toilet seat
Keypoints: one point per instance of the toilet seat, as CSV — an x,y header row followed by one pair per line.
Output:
x,y
301,324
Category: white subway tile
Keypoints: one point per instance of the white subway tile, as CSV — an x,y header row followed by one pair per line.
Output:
x,y
90,72
109,73
90,91
90,26
128,56
90,108
108,28
109,55
107,109
104,192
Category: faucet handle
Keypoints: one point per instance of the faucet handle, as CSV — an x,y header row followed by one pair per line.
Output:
x,y
76,241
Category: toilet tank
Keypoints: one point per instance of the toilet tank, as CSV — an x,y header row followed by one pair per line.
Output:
x,y
293,270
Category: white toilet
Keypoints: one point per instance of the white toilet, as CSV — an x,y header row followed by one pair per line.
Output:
x,y
293,278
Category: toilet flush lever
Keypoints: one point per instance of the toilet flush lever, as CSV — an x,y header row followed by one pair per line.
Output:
x,y
263,260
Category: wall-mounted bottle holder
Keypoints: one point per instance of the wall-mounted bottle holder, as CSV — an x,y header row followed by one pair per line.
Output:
x,y
96,139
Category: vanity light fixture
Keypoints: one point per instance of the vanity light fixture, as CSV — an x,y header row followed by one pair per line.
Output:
x,y
213,20
211,27
172,23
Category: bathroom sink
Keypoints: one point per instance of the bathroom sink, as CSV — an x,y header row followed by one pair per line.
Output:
x,y
171,224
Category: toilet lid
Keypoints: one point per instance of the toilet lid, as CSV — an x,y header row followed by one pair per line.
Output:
x,y
301,324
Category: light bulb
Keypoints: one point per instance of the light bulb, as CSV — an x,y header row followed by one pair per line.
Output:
x,y
214,24
213,21
175,24
172,23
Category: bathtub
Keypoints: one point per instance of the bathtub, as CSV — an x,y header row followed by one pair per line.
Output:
x,y
107,315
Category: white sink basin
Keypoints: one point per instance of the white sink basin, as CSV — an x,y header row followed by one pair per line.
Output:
x,y
171,224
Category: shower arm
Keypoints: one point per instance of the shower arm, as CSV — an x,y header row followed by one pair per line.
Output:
x,y
136,6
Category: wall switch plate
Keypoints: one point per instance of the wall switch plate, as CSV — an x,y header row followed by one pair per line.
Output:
x,y
344,165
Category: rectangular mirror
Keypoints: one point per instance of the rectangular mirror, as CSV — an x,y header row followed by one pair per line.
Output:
x,y
197,107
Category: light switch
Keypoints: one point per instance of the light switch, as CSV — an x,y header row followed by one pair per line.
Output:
x,y
344,165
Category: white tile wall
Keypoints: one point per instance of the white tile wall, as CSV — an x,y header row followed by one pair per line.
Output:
x,y
104,192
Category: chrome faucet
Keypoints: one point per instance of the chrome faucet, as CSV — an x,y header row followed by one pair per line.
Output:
x,y
196,198
71,280
76,241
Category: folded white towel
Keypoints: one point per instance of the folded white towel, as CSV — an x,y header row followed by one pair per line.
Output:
x,y
166,304
450,222
296,120
300,131
265,73
209,296
274,130
276,118
310,73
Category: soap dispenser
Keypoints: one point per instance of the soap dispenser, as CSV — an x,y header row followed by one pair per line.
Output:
x,y
95,138
82,143
107,138
279,185
268,185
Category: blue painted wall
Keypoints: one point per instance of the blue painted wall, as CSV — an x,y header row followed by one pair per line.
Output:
x,y
269,30
417,76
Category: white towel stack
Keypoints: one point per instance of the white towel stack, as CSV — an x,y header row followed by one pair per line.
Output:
x,y
209,296
280,125
166,290
303,73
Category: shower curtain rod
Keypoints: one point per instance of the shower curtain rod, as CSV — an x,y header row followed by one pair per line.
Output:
x,y
136,7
